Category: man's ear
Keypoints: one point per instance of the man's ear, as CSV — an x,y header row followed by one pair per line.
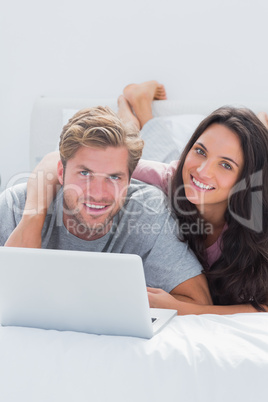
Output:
x,y
60,171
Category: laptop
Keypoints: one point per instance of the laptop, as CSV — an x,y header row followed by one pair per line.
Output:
x,y
92,292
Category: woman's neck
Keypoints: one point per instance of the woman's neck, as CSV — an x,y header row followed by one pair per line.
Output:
x,y
213,236
215,217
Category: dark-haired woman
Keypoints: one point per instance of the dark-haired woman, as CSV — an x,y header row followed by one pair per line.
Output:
x,y
219,194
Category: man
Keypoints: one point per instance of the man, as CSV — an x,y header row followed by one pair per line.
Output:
x,y
98,209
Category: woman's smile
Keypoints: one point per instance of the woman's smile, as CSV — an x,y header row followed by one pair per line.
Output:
x,y
200,185
212,167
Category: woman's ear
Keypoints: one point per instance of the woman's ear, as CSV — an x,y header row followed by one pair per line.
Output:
x,y
60,171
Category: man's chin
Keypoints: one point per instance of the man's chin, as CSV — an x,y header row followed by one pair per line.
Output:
x,y
88,230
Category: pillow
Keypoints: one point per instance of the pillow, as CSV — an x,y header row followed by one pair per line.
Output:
x,y
67,114
182,127
165,137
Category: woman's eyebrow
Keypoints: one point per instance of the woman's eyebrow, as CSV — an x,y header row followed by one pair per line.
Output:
x,y
229,159
223,157
202,145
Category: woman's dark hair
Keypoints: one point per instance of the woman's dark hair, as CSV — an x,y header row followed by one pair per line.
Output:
x,y
240,275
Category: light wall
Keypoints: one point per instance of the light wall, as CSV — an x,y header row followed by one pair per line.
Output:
x,y
200,49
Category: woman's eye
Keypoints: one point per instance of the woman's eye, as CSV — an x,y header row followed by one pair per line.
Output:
x,y
200,151
226,166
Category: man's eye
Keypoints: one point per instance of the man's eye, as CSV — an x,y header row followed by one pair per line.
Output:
x,y
114,177
84,173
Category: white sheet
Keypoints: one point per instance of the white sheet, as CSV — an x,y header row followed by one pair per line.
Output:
x,y
195,358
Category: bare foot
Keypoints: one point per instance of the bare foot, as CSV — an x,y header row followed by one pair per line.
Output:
x,y
263,118
125,112
149,89
140,97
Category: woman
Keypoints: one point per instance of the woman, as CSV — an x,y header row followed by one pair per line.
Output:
x,y
213,195
226,154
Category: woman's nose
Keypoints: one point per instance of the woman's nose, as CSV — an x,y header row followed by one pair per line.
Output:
x,y
205,169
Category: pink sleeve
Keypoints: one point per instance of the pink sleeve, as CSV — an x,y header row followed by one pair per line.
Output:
x,y
157,173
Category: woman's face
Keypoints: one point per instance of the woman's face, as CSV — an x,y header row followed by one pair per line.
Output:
x,y
212,167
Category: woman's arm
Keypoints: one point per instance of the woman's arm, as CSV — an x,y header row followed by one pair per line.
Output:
x,y
41,189
157,173
160,299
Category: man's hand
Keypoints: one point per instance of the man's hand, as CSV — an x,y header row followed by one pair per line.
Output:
x,y
158,298
190,297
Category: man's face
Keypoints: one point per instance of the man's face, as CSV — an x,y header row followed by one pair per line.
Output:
x,y
95,184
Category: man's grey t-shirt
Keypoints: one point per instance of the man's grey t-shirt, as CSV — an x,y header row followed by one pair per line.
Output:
x,y
143,226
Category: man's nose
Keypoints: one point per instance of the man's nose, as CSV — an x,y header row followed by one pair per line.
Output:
x,y
97,187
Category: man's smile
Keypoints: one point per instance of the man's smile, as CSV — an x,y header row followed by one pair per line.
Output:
x,y
96,209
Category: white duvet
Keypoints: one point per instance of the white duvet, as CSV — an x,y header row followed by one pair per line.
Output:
x,y
195,358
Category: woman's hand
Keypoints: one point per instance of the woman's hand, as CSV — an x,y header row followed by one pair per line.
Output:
x,y
41,189
42,185
27,233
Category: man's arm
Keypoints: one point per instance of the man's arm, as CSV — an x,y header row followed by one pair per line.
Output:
x,y
169,264
158,298
12,203
41,189
194,290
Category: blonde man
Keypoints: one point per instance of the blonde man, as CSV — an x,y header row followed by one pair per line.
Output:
x,y
99,209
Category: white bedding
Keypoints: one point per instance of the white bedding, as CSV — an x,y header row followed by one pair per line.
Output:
x,y
195,358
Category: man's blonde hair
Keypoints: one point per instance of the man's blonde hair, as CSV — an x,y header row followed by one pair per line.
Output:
x,y
100,127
